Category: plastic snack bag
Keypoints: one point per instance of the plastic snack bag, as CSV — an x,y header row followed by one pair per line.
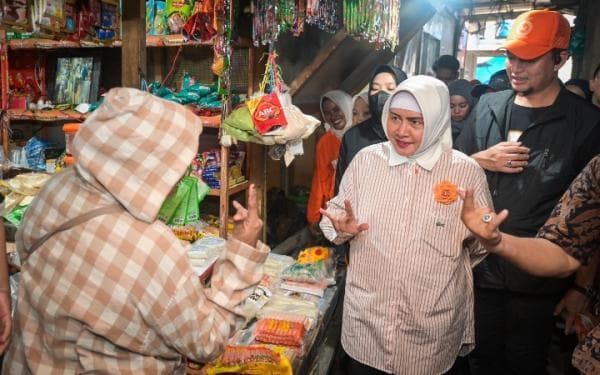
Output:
x,y
280,332
178,11
251,360
160,18
267,113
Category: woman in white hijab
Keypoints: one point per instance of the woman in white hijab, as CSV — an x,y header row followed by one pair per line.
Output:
x,y
336,108
408,307
360,108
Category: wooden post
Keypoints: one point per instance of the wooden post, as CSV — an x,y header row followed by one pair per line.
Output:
x,y
133,50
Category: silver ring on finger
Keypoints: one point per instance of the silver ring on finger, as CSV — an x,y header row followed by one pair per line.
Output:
x,y
486,218
509,164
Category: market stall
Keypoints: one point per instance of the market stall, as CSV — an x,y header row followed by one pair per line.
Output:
x,y
59,57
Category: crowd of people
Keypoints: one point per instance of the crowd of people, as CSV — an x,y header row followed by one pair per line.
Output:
x,y
413,266
464,208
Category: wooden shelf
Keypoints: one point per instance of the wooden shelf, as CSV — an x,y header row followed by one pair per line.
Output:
x,y
172,41
56,115
38,43
232,189
151,41
45,116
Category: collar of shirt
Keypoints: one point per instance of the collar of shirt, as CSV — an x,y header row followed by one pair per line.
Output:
x,y
425,160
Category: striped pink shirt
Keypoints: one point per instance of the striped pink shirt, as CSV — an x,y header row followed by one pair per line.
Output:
x,y
408,307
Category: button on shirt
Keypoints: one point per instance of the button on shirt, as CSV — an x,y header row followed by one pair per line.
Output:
x,y
408,307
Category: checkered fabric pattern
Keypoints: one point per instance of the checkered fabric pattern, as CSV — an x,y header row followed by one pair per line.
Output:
x,y
117,294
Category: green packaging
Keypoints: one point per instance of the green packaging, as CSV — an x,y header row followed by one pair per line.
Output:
x,y
170,205
192,213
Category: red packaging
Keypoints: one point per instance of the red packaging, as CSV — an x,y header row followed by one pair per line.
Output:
x,y
267,113
27,75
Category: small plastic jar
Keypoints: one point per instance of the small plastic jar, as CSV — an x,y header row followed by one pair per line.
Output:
x,y
70,130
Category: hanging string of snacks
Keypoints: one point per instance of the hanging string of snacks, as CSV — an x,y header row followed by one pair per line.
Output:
x,y
272,17
272,80
377,21
324,14
264,21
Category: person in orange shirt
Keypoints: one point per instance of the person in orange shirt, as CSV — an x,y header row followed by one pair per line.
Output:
x,y
336,109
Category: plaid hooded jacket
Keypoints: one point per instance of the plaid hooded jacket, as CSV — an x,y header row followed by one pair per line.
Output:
x,y
117,293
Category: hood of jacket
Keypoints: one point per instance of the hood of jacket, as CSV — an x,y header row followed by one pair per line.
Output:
x,y
137,146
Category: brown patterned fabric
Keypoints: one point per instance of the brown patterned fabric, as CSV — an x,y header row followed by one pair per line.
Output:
x,y
574,223
117,294
575,226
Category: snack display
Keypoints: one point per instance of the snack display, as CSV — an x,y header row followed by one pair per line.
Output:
x,y
251,360
313,254
283,332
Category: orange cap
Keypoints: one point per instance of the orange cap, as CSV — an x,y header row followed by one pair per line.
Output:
x,y
537,32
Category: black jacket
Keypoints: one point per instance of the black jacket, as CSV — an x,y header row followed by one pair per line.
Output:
x,y
368,132
561,143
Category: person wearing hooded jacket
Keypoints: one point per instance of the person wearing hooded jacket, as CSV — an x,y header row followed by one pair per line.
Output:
x,y
106,287
336,109
384,80
408,306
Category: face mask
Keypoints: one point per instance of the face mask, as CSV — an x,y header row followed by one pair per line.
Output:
x,y
376,103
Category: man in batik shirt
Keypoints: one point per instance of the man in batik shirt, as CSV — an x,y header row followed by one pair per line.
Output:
x,y
568,239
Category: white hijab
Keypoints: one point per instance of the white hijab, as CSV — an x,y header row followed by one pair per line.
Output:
x,y
433,98
363,95
344,101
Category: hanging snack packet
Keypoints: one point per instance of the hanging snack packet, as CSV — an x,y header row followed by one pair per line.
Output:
x,y
178,11
267,113
108,15
160,18
169,206
52,16
180,215
16,13
149,16
192,212
70,25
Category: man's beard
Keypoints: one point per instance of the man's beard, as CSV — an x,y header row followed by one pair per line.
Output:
x,y
524,92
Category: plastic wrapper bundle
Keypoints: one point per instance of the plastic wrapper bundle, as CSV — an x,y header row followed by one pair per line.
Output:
x,y
276,263
35,154
21,190
204,253
318,272
191,93
290,308
239,125
251,360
